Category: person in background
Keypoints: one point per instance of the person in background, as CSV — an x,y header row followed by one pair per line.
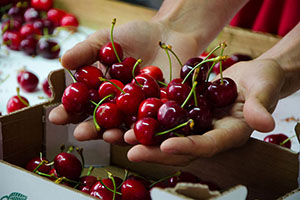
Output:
x,y
189,26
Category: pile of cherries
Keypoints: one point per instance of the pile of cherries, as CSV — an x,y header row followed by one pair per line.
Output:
x,y
138,96
67,169
28,26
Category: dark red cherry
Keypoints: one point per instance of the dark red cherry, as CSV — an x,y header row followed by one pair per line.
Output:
x,y
145,130
107,55
33,163
45,26
241,57
93,96
15,12
163,93
109,116
69,20
221,95
149,108
28,45
67,165
186,177
55,15
107,88
75,97
46,88
100,192
42,5
89,75
153,71
189,65
123,71
28,29
48,48
225,64
31,14
14,103
149,85
170,114
129,101
134,190
178,92
278,139
12,40
129,121
86,183
11,25
202,117
28,81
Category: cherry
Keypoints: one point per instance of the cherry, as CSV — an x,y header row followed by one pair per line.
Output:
x,y
202,117
129,101
222,93
107,55
205,54
35,162
178,92
163,93
134,190
28,45
226,63
153,71
211,185
43,5
241,57
67,165
27,80
87,183
69,20
16,103
145,130
46,88
31,14
75,97
123,70
129,121
107,88
15,12
93,96
42,24
279,139
170,114
53,173
108,116
141,179
48,48
149,85
149,108
55,15
183,177
98,190
11,25
12,40
28,29
89,75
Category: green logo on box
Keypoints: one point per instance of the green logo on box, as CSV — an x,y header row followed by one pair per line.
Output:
x,y
14,196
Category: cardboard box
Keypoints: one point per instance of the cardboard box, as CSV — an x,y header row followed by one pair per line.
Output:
x,y
267,171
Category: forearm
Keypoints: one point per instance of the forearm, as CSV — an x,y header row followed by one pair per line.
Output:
x,y
204,19
287,54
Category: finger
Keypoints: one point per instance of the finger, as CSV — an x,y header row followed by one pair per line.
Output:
x,y
114,136
227,133
141,153
86,52
130,138
86,131
59,116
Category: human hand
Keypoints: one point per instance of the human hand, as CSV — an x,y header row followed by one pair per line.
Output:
x,y
259,84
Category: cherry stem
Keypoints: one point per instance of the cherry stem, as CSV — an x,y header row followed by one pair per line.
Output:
x,y
55,47
72,76
91,168
190,94
119,193
133,70
286,140
98,128
125,177
169,48
210,70
221,70
46,175
70,149
162,83
112,39
93,102
165,178
39,165
111,177
163,46
190,122
104,79
20,98
79,151
60,179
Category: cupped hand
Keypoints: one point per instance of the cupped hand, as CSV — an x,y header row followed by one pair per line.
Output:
x,y
259,84
138,39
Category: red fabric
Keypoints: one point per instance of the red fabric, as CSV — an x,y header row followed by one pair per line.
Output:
x,y
271,16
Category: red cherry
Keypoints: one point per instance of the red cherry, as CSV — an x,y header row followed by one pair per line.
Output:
x,y
107,88
89,75
204,54
75,97
11,25
149,86
225,64
145,129
129,101
69,20
28,81
48,48
149,108
278,139
153,71
186,177
55,15
53,172
67,165
28,45
16,12
107,55
108,116
130,120
134,190
93,96
14,103
43,5
28,29
87,183
31,14
46,88
12,40
222,94
42,24
202,117
33,163
163,93
123,71
100,192
178,92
